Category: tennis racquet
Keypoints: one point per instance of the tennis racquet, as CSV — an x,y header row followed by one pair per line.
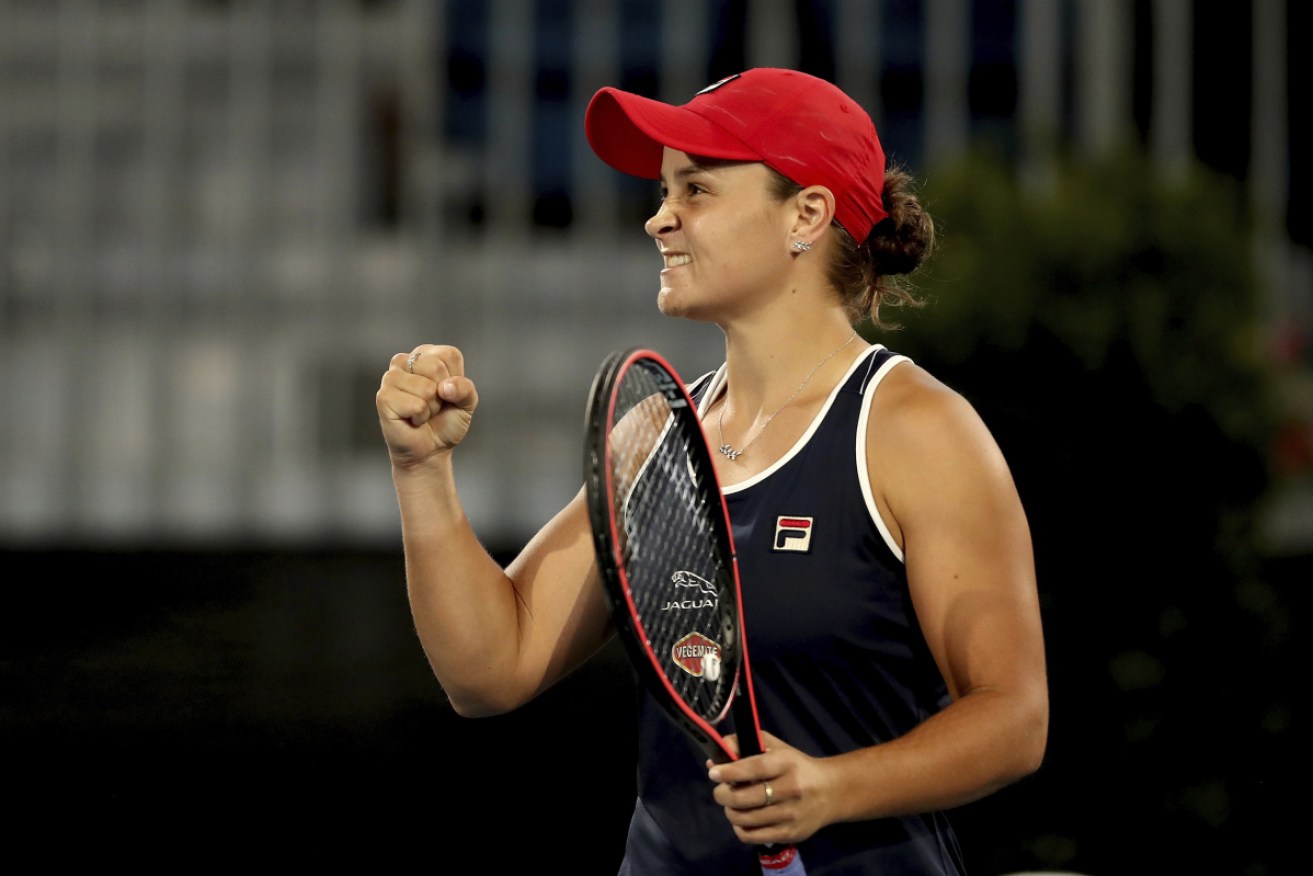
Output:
x,y
666,556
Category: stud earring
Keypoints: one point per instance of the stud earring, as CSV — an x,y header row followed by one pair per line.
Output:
x,y
801,246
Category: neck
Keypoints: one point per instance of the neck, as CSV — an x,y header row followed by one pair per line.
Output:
x,y
766,364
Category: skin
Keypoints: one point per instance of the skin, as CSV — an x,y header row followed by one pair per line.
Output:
x,y
941,484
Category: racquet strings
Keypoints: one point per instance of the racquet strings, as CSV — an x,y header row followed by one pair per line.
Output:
x,y
673,553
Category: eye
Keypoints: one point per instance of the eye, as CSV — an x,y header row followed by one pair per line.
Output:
x,y
695,189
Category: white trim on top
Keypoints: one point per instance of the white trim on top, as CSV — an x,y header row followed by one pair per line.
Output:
x,y
718,385
863,470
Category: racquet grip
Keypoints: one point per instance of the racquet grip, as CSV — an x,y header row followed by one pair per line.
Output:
x,y
781,861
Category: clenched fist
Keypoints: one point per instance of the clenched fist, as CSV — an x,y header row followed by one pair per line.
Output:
x,y
425,403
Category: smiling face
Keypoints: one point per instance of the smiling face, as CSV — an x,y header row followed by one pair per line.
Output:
x,y
724,238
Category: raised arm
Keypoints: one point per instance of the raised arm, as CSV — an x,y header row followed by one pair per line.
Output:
x,y
494,637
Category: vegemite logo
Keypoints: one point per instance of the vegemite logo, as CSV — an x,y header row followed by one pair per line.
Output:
x,y
698,656
793,534
696,593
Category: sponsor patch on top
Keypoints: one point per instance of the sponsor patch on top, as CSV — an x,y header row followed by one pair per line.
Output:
x,y
793,534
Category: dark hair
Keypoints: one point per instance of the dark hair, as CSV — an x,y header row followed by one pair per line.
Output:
x,y
866,276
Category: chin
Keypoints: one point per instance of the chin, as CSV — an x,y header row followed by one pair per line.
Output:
x,y
676,304
667,303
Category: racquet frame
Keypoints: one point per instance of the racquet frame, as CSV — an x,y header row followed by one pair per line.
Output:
x,y
602,510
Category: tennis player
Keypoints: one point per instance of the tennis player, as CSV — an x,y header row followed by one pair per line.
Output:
x,y
887,566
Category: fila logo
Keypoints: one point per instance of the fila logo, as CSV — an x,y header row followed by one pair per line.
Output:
x,y
793,534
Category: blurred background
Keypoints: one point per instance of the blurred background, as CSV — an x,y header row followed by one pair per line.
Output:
x,y
219,220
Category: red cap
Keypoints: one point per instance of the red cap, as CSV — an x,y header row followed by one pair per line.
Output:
x,y
803,127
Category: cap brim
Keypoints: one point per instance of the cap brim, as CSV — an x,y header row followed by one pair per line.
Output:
x,y
629,133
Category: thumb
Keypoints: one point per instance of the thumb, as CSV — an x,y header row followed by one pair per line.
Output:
x,y
459,392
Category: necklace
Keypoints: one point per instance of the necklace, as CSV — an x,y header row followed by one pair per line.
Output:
x,y
728,451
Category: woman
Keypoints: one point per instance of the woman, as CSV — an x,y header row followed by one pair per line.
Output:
x,y
897,650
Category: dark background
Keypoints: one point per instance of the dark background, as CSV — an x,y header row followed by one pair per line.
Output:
x,y
279,703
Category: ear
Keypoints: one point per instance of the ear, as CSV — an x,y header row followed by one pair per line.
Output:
x,y
815,212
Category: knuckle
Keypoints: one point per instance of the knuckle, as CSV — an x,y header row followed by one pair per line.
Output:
x,y
453,358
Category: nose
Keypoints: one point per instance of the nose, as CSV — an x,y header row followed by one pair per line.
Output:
x,y
662,221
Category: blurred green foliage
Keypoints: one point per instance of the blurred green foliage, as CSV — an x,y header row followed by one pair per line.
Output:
x,y
1105,323
1109,259
1113,311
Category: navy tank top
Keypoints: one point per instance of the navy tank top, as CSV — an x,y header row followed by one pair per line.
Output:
x,y
838,660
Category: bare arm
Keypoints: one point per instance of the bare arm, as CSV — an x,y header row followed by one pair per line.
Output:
x,y
949,500
495,638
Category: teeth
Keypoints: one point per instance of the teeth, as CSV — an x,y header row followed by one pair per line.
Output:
x,y
675,261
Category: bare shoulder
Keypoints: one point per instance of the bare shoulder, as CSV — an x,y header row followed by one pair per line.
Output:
x,y
928,445
915,411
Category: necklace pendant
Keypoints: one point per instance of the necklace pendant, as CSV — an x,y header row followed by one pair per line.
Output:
x,y
732,454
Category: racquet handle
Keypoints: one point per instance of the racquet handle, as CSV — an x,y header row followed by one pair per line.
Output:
x,y
775,860
784,862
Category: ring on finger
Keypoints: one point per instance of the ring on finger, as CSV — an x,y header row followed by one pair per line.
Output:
x,y
410,363
770,794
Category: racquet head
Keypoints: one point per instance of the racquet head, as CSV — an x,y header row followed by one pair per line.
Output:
x,y
665,550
